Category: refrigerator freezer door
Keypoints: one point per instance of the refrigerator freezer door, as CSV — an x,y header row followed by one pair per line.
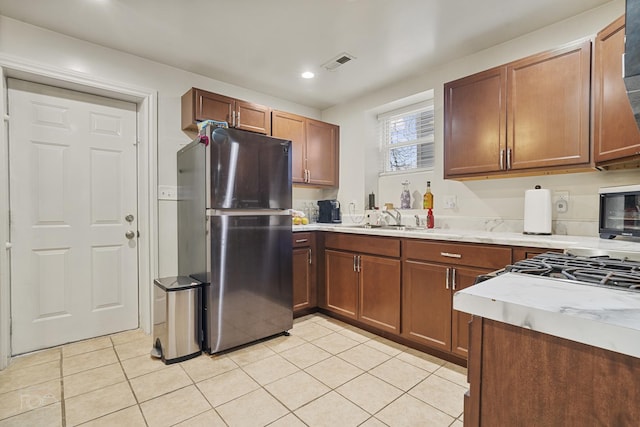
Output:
x,y
248,171
251,295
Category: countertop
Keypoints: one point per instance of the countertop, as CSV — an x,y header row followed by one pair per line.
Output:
x,y
602,317
488,237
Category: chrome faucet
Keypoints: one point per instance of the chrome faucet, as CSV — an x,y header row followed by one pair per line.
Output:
x,y
397,217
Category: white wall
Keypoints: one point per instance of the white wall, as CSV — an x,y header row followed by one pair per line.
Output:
x,y
52,49
485,204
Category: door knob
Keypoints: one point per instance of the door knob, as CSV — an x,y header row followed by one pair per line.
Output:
x,y
129,218
130,234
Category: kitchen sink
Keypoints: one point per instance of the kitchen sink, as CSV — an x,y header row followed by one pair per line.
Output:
x,y
387,227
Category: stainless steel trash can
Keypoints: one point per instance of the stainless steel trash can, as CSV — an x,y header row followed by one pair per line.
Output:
x,y
177,318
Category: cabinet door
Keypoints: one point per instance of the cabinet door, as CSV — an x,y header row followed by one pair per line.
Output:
x,y
292,127
616,135
253,117
475,123
211,106
548,109
426,304
341,283
380,292
462,277
301,278
322,153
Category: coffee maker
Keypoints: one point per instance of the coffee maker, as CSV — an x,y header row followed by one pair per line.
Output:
x,y
329,211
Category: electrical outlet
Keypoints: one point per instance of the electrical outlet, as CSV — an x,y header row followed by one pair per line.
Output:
x,y
167,192
450,202
561,201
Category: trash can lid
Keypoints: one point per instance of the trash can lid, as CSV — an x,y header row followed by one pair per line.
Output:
x,y
177,283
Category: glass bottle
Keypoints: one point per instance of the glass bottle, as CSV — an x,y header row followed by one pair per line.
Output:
x,y
427,199
405,197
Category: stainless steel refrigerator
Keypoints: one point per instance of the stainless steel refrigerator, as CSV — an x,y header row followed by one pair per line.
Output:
x,y
234,233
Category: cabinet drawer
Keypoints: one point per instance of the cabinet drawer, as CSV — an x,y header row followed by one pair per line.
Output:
x,y
486,256
301,239
364,244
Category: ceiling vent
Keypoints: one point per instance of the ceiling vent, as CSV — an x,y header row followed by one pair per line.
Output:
x,y
336,62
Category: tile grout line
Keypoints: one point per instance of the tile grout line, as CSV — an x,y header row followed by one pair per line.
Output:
x,y
128,383
63,409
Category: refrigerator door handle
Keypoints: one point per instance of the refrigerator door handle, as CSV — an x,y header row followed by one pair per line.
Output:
x,y
247,212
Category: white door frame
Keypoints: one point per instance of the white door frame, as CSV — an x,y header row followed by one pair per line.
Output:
x,y
147,107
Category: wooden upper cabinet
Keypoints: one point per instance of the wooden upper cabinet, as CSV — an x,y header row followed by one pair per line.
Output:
x,y
528,117
548,109
315,149
475,123
322,153
199,105
292,127
616,137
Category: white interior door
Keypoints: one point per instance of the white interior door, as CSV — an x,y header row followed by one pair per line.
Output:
x,y
74,268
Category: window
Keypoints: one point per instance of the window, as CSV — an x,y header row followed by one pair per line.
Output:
x,y
406,138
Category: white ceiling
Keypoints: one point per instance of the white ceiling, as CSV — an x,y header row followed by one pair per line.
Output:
x,y
264,45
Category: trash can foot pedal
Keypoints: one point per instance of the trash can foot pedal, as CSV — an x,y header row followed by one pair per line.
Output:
x,y
155,353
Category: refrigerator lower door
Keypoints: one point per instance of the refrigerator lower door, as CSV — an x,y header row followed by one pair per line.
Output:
x,y
251,295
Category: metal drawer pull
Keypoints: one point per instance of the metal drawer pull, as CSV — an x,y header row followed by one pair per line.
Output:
x,y
450,255
446,282
453,279
301,240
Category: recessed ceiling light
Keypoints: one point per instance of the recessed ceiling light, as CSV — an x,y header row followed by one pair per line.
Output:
x,y
308,75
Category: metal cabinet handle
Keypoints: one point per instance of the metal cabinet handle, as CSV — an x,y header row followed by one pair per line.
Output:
x,y
450,255
509,158
301,240
359,263
238,123
308,175
233,119
446,282
355,263
310,257
502,159
453,279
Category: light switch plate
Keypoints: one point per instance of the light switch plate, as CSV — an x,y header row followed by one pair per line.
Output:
x,y
450,202
167,192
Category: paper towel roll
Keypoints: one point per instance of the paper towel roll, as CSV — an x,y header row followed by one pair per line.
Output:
x,y
537,211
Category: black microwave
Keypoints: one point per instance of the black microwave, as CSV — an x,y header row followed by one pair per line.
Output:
x,y
619,211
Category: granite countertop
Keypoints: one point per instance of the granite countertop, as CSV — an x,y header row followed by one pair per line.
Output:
x,y
597,316
602,317
488,237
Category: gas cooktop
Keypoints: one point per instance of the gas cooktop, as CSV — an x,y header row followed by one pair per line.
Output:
x,y
599,270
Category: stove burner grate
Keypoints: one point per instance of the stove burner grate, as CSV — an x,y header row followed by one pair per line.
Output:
x,y
597,270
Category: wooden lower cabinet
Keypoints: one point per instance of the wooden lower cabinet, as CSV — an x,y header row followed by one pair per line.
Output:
x,y
432,272
520,377
427,307
379,286
362,286
342,283
304,276
522,253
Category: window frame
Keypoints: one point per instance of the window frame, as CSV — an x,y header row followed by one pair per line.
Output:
x,y
385,146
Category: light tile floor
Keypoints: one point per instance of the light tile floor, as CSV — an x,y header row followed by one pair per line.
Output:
x,y
327,373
